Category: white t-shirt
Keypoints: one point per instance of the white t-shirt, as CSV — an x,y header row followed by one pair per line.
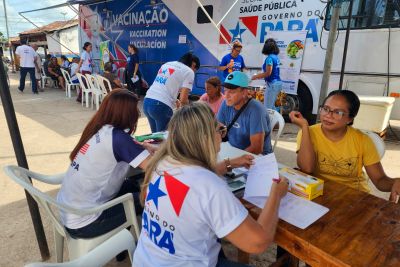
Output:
x,y
186,209
86,62
171,77
27,56
97,173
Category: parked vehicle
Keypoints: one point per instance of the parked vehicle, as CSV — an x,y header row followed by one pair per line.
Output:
x,y
164,30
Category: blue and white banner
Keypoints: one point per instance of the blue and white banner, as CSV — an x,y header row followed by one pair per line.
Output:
x,y
291,46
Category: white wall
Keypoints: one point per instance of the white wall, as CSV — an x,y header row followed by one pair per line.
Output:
x,y
67,37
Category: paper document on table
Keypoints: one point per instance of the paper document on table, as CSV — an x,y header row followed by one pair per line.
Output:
x,y
260,175
294,210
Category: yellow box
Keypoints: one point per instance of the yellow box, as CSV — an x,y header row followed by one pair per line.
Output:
x,y
303,185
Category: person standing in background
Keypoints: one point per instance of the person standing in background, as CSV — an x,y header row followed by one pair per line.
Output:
x,y
85,64
232,61
27,58
271,73
38,69
132,70
173,78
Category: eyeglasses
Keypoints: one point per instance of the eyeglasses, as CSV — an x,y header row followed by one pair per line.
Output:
x,y
222,130
336,113
238,50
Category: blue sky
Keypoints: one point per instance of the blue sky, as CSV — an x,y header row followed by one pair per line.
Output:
x,y
17,24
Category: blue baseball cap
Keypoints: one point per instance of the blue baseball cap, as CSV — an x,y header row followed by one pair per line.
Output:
x,y
235,80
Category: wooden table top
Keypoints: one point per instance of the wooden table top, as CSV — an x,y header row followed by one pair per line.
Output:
x,y
359,230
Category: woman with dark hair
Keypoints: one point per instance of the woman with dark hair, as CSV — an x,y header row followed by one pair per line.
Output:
x,y
213,96
55,72
173,78
85,64
271,73
132,71
99,162
188,207
65,62
111,77
334,150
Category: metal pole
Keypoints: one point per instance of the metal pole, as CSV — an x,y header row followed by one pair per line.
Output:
x,y
21,159
8,38
329,51
346,43
212,21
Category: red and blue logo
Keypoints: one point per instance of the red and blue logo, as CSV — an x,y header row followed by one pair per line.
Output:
x,y
163,75
251,24
159,231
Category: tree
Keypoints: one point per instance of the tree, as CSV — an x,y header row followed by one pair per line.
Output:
x,y
3,39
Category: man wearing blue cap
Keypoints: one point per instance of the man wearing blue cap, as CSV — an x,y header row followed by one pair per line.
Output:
x,y
246,119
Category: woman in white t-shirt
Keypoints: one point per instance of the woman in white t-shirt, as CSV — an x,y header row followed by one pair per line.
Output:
x,y
99,163
85,64
187,207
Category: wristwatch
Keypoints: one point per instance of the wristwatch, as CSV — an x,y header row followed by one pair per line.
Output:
x,y
228,165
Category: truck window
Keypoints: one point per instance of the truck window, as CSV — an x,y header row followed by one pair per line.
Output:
x,y
202,17
368,14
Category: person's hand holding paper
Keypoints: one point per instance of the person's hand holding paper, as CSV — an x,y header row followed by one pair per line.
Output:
x,y
259,186
260,175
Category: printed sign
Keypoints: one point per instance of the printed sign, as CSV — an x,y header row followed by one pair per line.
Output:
x,y
291,46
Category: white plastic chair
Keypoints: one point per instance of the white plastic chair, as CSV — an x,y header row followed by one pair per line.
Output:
x,y
95,88
68,83
104,84
121,75
100,255
76,247
45,78
378,142
86,90
275,118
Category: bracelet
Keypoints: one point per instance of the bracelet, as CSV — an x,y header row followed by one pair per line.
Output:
x,y
228,165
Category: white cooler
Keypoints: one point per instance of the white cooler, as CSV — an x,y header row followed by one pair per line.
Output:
x,y
374,113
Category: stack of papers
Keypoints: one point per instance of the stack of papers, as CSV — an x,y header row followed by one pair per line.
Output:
x,y
294,210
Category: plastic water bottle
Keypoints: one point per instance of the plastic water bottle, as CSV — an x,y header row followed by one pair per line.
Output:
x,y
230,69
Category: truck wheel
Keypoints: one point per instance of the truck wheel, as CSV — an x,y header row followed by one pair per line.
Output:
x,y
302,102
306,103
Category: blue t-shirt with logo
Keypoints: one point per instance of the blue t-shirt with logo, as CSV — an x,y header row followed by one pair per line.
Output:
x,y
274,61
253,120
238,63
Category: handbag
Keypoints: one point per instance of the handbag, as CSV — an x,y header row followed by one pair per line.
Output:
x,y
225,138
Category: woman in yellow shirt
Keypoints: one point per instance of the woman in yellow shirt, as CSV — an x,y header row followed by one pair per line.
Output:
x,y
336,151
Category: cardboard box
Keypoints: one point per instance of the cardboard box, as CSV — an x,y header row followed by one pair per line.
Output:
x,y
303,185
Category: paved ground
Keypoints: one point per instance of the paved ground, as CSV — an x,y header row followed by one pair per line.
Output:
x,y
50,126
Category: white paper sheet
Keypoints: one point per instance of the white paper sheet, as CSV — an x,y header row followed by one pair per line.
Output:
x,y
135,79
260,175
294,210
228,151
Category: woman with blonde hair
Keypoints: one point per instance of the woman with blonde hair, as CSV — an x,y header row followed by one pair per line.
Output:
x,y
187,207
